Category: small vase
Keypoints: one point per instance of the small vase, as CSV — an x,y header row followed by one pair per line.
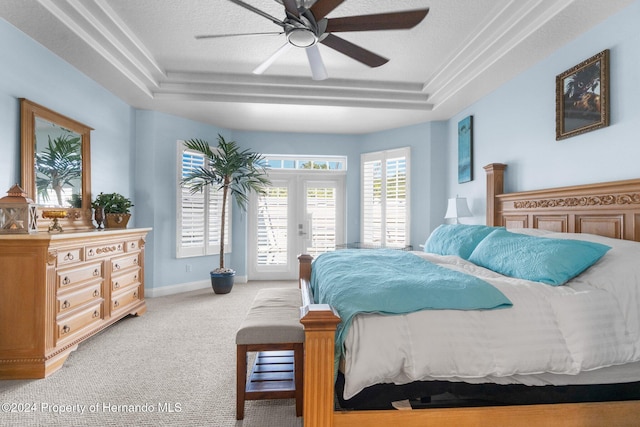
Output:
x,y
98,216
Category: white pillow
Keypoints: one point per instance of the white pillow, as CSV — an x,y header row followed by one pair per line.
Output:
x,y
530,231
617,272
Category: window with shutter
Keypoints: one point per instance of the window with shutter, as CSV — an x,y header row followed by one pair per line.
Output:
x,y
198,214
385,198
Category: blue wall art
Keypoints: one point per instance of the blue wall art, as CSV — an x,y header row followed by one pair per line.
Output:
x,y
465,150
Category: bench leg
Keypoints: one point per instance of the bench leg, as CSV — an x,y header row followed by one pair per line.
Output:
x,y
241,380
298,372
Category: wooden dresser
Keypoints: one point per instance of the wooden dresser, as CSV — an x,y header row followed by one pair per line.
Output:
x,y
57,290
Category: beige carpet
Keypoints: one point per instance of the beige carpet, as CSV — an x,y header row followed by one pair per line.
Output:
x,y
173,366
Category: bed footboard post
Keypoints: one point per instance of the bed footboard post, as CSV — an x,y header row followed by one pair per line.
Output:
x,y
320,323
495,186
305,268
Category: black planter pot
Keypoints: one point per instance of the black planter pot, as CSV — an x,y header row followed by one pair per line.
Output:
x,y
222,283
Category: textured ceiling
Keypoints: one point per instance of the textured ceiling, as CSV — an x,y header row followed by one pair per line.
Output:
x,y
145,52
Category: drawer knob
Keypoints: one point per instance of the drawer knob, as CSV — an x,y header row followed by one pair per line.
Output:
x,y
96,293
135,294
96,314
65,329
116,285
96,272
90,253
66,304
66,280
116,303
69,257
116,266
135,277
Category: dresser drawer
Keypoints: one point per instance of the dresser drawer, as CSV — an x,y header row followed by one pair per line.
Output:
x,y
125,262
121,281
105,249
133,245
69,256
71,300
124,299
70,326
71,277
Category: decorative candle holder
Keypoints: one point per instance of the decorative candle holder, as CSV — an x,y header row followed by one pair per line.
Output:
x,y
17,212
55,214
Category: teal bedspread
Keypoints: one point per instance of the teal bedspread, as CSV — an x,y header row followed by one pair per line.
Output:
x,y
394,282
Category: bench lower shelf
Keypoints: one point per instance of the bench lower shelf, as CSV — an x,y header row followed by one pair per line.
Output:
x,y
272,374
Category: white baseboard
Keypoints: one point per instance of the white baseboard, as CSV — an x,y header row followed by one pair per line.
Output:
x,y
184,287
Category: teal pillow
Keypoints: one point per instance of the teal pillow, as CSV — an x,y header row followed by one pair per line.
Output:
x,y
457,239
539,259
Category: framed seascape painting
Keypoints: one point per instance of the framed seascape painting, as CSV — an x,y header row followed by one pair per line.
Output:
x,y
465,150
582,97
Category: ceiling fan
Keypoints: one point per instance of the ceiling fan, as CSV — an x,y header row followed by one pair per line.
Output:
x,y
306,25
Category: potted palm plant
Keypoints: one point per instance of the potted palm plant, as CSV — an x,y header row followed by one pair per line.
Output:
x,y
116,209
235,172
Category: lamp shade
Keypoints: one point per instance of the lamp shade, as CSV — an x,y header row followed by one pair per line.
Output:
x,y
457,208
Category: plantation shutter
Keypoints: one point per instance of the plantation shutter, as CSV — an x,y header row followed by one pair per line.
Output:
x,y
273,217
198,214
372,193
191,212
215,207
395,203
321,202
385,198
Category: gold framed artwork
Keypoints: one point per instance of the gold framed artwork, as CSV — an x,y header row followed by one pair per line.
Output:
x,y
582,97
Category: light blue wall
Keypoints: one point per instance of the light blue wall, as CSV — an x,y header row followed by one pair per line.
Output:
x,y
156,148
30,71
134,151
428,186
516,123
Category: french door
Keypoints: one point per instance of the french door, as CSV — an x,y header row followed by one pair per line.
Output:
x,y
302,212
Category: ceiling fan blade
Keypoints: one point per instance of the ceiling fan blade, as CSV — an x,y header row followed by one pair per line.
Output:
x,y
216,36
291,7
318,71
354,51
322,8
382,21
270,60
259,12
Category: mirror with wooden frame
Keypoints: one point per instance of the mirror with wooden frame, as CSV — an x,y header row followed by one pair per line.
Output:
x,y
56,164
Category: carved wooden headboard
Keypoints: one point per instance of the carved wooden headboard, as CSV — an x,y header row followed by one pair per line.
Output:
x,y
609,209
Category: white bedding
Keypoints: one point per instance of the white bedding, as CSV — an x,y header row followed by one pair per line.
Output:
x,y
591,323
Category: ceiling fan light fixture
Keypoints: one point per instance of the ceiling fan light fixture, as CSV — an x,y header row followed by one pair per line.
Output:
x,y
302,37
306,24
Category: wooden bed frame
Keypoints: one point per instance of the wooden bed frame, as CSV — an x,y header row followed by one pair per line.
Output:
x,y
608,209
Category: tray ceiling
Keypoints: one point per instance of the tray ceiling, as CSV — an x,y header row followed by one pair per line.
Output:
x,y
145,52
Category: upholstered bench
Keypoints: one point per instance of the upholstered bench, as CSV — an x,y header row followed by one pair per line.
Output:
x,y
273,329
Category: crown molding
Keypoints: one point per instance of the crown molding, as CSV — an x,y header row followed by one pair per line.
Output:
x,y
506,28
98,25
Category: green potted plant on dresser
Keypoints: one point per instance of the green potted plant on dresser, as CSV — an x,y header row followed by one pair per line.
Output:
x,y
236,173
116,209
